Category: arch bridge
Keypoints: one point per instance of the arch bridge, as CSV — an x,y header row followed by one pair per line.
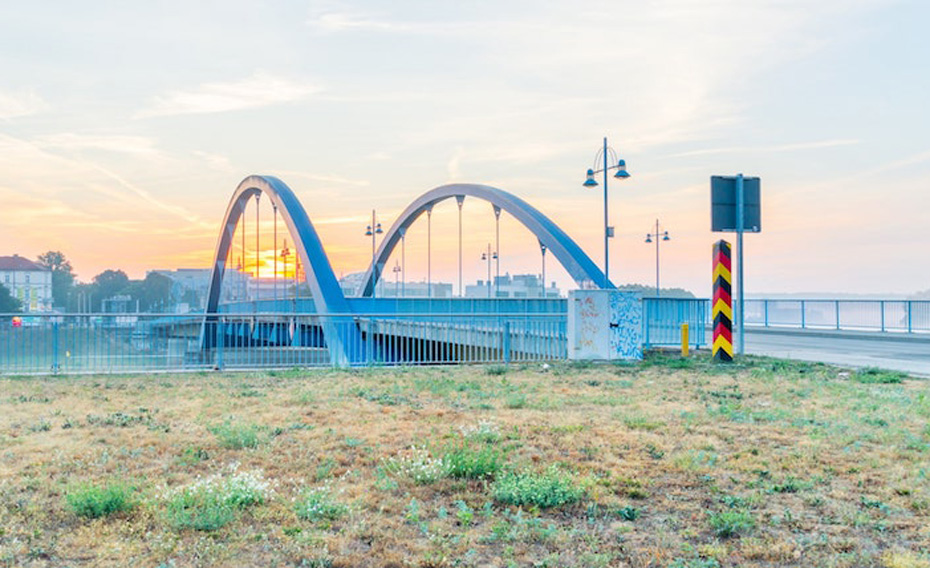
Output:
x,y
346,328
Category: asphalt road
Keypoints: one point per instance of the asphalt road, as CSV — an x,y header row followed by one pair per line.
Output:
x,y
901,352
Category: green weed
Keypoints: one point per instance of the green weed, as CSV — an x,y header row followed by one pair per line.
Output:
x,y
641,422
874,375
236,436
515,401
416,465
695,563
628,513
550,489
211,503
731,523
193,455
95,501
470,461
318,503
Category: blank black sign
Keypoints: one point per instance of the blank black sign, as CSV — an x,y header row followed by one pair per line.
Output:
x,y
723,204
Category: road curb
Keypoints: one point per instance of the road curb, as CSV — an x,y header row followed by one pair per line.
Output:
x,y
844,334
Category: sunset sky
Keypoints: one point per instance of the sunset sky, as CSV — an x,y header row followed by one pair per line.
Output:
x,y
126,126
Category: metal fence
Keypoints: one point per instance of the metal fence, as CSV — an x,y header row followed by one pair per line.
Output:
x,y
108,343
113,343
663,319
909,316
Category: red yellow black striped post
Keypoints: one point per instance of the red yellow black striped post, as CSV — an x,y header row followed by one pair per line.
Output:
x,y
722,304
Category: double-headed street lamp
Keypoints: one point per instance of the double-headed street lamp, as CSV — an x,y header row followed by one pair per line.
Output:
x,y
373,231
489,256
603,159
396,270
658,235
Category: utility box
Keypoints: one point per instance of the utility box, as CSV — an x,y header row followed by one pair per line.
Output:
x,y
605,325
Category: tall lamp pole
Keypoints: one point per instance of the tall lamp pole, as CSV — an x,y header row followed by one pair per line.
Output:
x,y
460,199
658,235
373,231
274,207
403,262
396,270
497,248
285,252
602,159
257,253
489,256
542,247
429,252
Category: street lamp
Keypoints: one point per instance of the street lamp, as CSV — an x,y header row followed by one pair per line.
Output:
x,y
664,236
285,252
489,256
543,248
373,231
602,159
274,207
396,270
403,262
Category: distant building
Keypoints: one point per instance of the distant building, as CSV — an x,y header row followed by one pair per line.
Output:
x,y
516,286
28,281
351,285
388,289
192,285
119,304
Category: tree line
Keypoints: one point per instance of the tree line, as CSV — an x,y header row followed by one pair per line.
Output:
x,y
152,293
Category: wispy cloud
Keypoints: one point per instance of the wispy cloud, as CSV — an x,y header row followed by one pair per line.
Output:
x,y
359,219
138,145
339,21
775,148
340,180
454,166
22,103
79,168
256,91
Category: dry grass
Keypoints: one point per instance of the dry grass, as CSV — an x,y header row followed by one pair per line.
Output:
x,y
682,463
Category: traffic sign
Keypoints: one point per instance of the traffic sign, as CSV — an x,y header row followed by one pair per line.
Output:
x,y
723,199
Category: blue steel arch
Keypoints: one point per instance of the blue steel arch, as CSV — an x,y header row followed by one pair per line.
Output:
x,y
578,264
327,294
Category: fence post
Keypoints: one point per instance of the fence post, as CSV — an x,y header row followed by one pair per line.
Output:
x,y
803,316
881,306
646,320
219,345
765,311
55,365
506,342
837,310
910,320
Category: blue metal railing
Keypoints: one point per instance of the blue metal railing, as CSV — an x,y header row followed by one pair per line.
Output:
x,y
108,343
663,319
905,316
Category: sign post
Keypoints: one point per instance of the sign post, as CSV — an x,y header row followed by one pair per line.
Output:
x,y
722,304
736,206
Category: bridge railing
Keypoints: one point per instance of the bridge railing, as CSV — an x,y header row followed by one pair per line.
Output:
x,y
114,343
903,316
663,319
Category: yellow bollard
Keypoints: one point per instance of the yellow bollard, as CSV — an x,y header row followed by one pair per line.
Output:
x,y
684,339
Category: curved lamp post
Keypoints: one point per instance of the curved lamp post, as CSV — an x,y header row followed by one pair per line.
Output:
x,y
373,231
608,155
664,236
489,256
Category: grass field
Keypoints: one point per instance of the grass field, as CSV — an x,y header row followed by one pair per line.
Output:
x,y
666,463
